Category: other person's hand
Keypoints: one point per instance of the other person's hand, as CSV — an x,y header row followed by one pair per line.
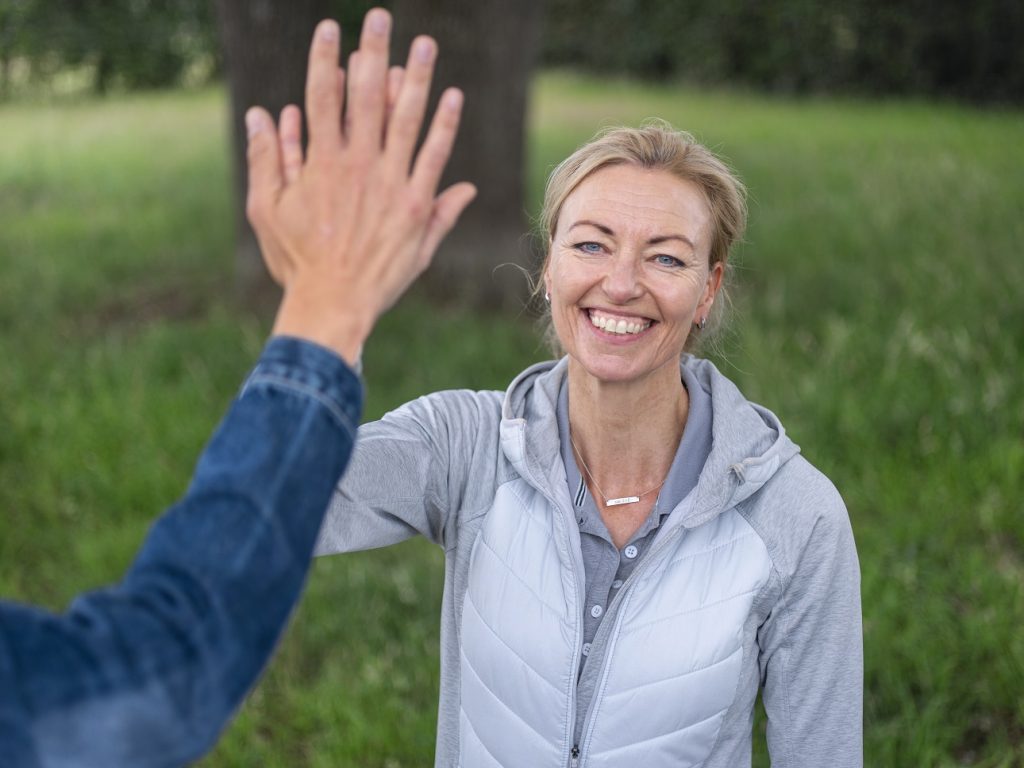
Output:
x,y
347,228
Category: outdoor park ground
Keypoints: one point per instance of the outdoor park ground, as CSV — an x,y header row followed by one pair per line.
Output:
x,y
879,311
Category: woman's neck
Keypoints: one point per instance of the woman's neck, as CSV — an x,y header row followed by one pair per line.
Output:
x,y
627,433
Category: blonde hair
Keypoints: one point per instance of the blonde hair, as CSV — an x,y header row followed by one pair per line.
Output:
x,y
655,145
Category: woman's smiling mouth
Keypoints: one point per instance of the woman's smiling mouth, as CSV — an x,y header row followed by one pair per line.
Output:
x,y
617,324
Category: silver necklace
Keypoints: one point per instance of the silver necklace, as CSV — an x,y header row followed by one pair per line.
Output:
x,y
612,502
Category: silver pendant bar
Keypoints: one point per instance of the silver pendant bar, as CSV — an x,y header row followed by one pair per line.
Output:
x,y
623,500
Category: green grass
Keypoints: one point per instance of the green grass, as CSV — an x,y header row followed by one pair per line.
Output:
x,y
879,312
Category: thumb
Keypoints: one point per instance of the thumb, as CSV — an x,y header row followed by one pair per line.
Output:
x,y
448,206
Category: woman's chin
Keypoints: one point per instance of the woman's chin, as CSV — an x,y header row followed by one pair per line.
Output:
x,y
610,371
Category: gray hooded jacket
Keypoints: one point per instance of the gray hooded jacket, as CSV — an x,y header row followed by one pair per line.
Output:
x,y
752,583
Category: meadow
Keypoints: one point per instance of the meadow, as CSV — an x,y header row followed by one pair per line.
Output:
x,y
879,310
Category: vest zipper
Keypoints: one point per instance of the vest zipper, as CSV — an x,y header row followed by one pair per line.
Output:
x,y
648,559
577,571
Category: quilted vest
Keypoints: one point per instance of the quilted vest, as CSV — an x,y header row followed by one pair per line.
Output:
x,y
673,637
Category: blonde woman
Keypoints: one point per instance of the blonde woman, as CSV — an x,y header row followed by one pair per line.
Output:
x,y
633,550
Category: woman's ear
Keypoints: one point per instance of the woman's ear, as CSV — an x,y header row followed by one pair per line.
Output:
x,y
714,282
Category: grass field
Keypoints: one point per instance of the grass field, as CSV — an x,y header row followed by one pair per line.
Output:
x,y
879,313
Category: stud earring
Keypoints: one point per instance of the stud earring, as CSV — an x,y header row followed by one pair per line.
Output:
x,y
547,297
703,323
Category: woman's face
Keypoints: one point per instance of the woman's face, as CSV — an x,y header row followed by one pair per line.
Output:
x,y
628,273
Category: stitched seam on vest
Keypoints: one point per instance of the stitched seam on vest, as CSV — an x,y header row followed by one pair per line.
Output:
x,y
665,735
514,575
493,695
708,551
674,677
464,521
511,649
637,627
782,733
478,741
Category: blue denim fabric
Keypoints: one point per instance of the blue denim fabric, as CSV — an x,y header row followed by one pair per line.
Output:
x,y
147,673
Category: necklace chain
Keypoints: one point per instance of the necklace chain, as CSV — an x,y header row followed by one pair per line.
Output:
x,y
607,501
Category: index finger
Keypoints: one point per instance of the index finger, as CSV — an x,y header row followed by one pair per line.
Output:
x,y
323,97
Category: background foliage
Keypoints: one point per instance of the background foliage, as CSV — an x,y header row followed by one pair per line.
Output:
x,y
971,51
879,315
111,43
949,48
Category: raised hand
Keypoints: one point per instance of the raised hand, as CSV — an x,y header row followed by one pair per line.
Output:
x,y
347,228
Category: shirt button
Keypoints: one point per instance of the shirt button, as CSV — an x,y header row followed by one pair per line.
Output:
x,y
630,552
617,583
586,649
596,611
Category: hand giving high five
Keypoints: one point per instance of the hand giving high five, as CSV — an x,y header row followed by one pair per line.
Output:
x,y
347,228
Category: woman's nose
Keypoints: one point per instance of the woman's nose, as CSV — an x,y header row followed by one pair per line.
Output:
x,y
621,282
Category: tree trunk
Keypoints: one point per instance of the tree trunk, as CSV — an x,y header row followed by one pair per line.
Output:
x,y
265,44
488,49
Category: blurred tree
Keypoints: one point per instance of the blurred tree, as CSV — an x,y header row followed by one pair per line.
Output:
x,y
488,49
265,46
945,48
124,43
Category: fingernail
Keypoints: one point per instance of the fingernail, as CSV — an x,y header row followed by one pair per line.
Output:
x,y
253,124
378,22
424,50
329,31
453,100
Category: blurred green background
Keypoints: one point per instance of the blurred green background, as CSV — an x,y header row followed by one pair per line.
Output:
x,y
879,312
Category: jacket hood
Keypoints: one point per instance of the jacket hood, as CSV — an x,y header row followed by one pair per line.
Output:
x,y
749,443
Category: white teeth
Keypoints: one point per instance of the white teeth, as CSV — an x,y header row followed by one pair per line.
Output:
x,y
611,325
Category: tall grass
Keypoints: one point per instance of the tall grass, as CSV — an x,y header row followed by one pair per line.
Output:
x,y
879,312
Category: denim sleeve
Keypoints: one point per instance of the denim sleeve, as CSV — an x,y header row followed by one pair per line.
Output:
x,y
146,673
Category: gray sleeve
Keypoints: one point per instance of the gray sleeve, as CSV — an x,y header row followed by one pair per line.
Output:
x,y
409,471
811,645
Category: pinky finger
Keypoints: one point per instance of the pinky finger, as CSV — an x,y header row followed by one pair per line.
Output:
x,y
290,139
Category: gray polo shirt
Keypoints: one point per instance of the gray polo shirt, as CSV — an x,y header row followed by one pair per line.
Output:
x,y
606,568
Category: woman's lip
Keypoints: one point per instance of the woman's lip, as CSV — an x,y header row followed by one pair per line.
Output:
x,y
613,313
615,338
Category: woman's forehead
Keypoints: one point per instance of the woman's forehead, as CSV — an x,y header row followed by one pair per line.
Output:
x,y
626,200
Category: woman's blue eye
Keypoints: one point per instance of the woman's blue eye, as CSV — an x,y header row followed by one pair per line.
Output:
x,y
668,261
589,247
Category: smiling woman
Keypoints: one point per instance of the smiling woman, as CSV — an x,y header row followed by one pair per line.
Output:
x,y
628,274
634,550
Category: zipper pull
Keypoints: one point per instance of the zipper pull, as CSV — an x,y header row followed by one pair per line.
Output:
x,y
574,756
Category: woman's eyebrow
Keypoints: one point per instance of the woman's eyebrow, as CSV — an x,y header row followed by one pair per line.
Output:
x,y
653,241
594,224
663,238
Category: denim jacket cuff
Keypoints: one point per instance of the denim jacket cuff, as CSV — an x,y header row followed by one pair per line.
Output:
x,y
305,368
